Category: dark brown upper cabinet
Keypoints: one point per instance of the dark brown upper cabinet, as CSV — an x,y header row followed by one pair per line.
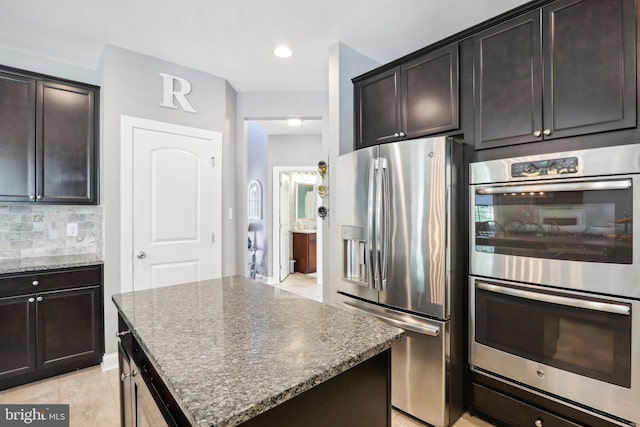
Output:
x,y
417,98
47,140
65,153
17,137
564,70
377,109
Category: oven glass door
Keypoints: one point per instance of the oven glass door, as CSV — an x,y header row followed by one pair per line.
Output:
x,y
587,336
588,221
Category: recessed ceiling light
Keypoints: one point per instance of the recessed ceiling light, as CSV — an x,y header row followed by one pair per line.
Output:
x,y
282,52
294,123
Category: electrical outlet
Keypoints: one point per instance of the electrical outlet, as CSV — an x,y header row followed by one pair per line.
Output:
x,y
72,229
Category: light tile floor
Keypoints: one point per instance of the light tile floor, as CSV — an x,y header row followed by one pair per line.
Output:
x,y
92,395
305,285
398,419
94,401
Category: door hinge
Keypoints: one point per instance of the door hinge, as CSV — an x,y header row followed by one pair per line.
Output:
x,y
213,238
213,161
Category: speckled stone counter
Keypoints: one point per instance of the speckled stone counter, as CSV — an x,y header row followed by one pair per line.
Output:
x,y
232,348
44,263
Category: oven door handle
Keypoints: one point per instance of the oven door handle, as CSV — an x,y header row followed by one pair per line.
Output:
x,y
556,299
619,184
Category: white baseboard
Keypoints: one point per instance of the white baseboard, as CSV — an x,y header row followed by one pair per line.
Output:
x,y
109,361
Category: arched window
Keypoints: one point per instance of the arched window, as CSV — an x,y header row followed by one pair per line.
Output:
x,y
254,200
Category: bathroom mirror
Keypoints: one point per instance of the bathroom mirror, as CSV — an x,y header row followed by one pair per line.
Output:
x,y
305,201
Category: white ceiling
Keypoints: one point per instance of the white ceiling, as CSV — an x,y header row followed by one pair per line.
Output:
x,y
234,39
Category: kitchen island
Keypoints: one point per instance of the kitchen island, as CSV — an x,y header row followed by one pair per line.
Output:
x,y
235,351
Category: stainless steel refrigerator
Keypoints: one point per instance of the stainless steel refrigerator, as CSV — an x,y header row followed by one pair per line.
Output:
x,y
398,257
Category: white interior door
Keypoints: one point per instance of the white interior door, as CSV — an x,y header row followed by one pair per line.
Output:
x,y
285,226
175,204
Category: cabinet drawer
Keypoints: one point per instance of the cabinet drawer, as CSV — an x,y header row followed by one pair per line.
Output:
x,y
23,283
514,412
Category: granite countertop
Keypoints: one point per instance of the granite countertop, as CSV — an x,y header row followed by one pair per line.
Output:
x,y
229,349
22,265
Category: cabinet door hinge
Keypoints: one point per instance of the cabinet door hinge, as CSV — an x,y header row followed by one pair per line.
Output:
x,y
213,161
213,238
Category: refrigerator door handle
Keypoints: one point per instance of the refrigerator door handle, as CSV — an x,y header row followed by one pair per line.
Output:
x,y
384,219
389,316
372,268
378,246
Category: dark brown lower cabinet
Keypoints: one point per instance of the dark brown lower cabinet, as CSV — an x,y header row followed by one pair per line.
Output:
x,y
69,325
57,329
507,405
144,399
304,252
17,330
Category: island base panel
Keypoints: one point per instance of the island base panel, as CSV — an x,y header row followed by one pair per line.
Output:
x,y
360,396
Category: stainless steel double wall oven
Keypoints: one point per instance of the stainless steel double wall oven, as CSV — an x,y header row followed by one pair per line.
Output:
x,y
555,277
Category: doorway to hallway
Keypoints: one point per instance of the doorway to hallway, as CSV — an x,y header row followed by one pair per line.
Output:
x,y
285,164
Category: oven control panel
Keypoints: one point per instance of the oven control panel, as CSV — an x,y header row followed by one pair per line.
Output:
x,y
545,167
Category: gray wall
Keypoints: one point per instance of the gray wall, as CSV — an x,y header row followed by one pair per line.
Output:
x,y
39,64
132,86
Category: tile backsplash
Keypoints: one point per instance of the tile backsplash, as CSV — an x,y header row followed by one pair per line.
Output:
x,y
28,230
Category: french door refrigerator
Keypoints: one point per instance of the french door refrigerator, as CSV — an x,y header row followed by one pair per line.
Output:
x,y
398,257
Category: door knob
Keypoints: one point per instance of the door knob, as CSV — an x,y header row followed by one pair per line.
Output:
x,y
141,255
537,133
547,132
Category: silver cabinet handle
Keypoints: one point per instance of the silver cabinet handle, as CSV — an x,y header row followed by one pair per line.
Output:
x,y
403,134
123,333
538,423
124,376
39,197
547,132
35,283
537,133
396,134
141,255
39,299
31,196
32,299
